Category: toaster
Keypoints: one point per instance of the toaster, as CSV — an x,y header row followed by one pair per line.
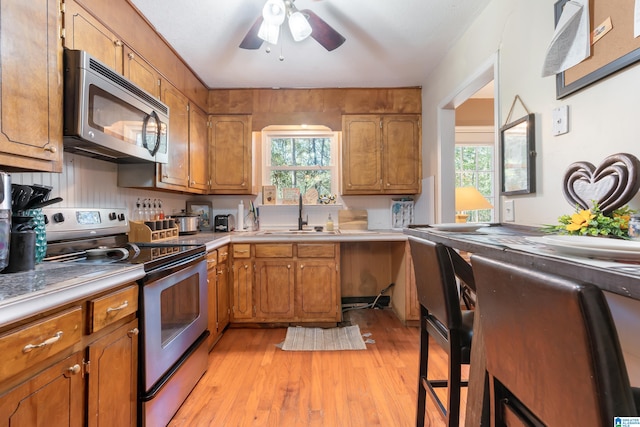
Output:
x,y
224,223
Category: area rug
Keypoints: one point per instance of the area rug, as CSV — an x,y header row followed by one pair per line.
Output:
x,y
319,339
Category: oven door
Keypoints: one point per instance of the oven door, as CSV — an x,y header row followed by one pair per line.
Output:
x,y
174,315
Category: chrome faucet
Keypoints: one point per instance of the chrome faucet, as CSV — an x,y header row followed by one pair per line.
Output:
x,y
301,222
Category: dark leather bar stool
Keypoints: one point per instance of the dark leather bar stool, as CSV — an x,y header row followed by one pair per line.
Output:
x,y
552,352
442,319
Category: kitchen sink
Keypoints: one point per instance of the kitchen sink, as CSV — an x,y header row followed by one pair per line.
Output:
x,y
309,233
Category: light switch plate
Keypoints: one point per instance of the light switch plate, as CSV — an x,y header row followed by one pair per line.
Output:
x,y
560,120
509,212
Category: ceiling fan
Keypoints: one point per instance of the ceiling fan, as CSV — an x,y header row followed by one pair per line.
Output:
x,y
302,24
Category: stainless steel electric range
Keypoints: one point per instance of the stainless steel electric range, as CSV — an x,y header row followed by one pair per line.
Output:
x,y
173,300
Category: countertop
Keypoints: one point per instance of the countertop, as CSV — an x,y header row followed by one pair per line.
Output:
x,y
54,284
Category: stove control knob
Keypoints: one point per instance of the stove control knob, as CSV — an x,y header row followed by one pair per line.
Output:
x,y
112,216
121,217
58,217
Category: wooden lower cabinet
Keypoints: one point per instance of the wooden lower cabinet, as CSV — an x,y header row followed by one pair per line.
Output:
x,y
291,282
113,378
53,397
274,285
219,296
73,366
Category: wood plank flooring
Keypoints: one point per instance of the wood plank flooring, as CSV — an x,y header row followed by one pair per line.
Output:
x,y
251,382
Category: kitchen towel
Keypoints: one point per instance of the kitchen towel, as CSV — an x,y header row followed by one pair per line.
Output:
x,y
319,339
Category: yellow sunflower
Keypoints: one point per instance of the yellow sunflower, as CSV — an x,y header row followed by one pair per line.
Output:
x,y
580,219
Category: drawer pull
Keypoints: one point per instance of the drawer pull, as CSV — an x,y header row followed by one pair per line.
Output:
x,y
27,348
240,251
122,306
132,332
73,370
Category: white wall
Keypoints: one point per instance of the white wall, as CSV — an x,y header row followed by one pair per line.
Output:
x,y
603,118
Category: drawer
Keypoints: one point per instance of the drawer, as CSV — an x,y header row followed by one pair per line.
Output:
x,y
112,307
241,250
275,250
316,250
30,344
223,253
212,259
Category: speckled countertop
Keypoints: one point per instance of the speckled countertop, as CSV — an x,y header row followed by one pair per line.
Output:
x,y
54,284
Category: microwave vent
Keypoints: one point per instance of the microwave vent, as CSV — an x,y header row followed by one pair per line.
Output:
x,y
122,82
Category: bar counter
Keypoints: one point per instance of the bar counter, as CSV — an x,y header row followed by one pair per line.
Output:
x,y
510,243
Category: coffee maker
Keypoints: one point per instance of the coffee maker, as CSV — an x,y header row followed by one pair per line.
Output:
x,y
5,218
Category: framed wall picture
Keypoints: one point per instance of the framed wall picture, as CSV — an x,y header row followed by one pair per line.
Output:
x,y
203,210
517,149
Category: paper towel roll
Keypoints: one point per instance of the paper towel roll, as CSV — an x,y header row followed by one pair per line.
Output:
x,y
240,222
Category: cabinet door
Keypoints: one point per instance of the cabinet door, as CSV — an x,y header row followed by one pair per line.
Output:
x,y
274,290
212,305
84,32
141,72
316,290
401,154
113,378
198,149
176,172
31,85
222,285
361,155
51,398
230,155
242,290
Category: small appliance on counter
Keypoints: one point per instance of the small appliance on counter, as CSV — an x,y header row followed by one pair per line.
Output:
x,y
187,223
224,223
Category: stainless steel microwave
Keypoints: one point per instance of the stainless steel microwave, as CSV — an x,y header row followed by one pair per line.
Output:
x,y
110,118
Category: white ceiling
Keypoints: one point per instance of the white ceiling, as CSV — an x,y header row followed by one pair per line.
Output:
x,y
390,43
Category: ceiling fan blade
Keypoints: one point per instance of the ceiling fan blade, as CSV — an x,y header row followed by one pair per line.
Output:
x,y
323,33
251,40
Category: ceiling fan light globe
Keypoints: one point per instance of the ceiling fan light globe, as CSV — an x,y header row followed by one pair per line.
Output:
x,y
274,12
269,33
299,26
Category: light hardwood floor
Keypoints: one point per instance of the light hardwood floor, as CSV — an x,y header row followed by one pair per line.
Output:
x,y
251,382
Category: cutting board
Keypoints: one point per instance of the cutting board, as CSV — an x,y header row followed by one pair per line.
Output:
x,y
353,219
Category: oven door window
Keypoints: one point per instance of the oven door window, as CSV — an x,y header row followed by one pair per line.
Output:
x,y
179,307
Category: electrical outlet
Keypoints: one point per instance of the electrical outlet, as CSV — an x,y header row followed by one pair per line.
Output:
x,y
509,211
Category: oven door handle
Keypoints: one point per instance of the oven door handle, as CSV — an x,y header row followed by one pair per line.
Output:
x,y
167,269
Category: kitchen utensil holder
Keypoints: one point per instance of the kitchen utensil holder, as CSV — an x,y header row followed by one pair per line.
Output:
x,y
139,232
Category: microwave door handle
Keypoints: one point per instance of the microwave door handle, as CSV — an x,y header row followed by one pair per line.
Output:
x,y
153,115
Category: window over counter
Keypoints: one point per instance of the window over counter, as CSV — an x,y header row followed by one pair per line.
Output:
x,y
302,159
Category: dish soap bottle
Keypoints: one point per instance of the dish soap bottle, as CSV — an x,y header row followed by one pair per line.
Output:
x,y
329,226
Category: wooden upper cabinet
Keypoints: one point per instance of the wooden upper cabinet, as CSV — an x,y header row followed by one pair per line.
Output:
x,y
84,32
31,86
401,154
361,154
141,72
198,149
230,155
381,154
176,172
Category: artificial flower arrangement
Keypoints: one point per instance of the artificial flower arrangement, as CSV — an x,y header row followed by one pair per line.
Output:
x,y
593,222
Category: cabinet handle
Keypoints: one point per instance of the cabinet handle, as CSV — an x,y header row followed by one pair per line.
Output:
x,y
122,306
302,266
117,43
165,176
221,271
240,251
27,348
131,55
193,183
132,332
288,265
246,266
388,184
51,149
212,262
73,370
